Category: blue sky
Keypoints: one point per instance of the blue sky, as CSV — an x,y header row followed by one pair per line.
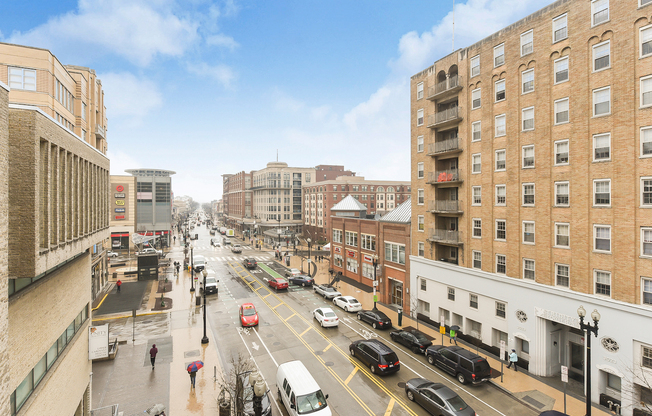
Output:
x,y
207,87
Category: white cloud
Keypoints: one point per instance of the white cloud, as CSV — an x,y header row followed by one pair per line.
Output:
x,y
121,161
128,97
220,72
222,41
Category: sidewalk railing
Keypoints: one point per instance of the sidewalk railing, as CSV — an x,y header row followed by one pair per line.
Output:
x,y
111,410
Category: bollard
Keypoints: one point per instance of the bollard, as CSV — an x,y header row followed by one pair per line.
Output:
x,y
400,317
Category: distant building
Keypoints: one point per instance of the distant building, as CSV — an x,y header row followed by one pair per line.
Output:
x,y
236,194
330,172
122,218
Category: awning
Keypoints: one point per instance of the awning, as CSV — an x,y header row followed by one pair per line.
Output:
x,y
327,247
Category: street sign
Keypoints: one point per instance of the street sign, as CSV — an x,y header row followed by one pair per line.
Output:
x,y
564,378
442,324
502,349
564,370
376,283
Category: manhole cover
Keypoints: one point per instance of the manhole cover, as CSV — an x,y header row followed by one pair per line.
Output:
x,y
270,335
226,325
401,385
276,343
193,353
219,312
329,364
319,352
146,322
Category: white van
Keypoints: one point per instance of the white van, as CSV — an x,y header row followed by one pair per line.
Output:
x,y
199,262
299,392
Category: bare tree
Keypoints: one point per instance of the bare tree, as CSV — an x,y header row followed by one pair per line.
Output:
x,y
639,379
231,382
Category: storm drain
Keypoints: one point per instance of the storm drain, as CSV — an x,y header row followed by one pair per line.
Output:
x,y
533,402
329,364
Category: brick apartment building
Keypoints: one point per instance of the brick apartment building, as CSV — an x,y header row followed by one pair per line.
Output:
x,y
359,239
379,197
54,215
532,191
236,194
330,172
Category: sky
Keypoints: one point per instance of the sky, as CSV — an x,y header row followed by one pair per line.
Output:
x,y
210,87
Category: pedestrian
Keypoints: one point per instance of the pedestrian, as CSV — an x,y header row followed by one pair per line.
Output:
x,y
513,359
193,375
118,283
152,354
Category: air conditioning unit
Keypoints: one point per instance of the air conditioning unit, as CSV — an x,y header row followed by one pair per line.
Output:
x,y
610,403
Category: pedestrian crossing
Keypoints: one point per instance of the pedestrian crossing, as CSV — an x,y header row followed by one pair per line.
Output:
x,y
238,258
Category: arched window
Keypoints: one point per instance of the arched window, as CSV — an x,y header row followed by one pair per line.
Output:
x,y
380,189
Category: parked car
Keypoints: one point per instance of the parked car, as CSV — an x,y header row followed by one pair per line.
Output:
x,y
326,291
292,272
112,254
278,283
248,315
348,303
325,317
378,356
301,280
226,241
436,398
149,250
215,242
376,318
413,339
211,285
467,366
236,248
250,263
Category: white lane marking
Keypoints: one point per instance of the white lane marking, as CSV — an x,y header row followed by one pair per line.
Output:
x,y
266,349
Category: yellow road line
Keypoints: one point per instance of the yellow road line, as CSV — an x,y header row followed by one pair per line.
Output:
x,y
390,406
265,297
327,347
286,319
277,305
100,304
304,332
355,370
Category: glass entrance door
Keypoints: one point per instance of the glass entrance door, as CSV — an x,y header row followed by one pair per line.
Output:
x,y
576,369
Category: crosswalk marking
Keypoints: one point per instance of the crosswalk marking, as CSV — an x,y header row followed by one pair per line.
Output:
x,y
238,259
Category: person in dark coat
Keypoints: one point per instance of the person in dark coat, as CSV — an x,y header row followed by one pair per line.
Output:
x,y
152,354
193,375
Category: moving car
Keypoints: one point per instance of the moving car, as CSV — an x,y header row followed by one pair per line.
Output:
x,y
378,356
148,250
248,315
112,254
376,318
326,291
198,262
467,366
436,398
236,248
250,263
215,242
292,272
301,280
326,317
413,339
226,241
299,392
278,283
348,303
211,282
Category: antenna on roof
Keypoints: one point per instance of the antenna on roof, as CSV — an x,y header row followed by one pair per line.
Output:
x,y
453,26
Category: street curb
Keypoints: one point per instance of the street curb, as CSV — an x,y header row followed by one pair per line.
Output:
x,y
511,394
128,316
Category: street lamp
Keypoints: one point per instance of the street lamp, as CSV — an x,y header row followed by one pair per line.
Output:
x,y
205,339
595,315
192,269
278,230
309,245
258,386
374,259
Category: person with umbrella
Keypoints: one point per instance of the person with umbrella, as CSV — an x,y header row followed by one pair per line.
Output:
x,y
453,333
192,371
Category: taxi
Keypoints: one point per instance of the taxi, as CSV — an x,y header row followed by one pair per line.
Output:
x,y
248,315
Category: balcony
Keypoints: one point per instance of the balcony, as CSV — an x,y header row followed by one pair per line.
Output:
x,y
444,237
100,132
445,147
445,206
445,88
445,118
445,178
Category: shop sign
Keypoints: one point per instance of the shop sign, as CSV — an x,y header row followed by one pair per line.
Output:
x,y
119,210
351,253
367,258
338,250
98,342
119,202
119,217
119,195
119,188
553,316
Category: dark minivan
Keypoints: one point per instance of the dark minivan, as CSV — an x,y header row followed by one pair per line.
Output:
x,y
467,366
378,356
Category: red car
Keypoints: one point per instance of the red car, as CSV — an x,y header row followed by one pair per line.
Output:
x,y
248,315
278,283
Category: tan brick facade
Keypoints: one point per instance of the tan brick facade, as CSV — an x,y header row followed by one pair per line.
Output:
x,y
5,390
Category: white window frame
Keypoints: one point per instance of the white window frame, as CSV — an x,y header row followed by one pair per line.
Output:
x,y
557,274
534,270
502,133
643,230
525,37
421,249
644,280
556,71
474,131
420,91
421,223
473,196
554,22
560,101
641,4
643,204
567,183
477,253
420,119
645,78
421,199
595,138
595,237
420,171
479,164
501,310
503,152
499,86
557,234
474,227
497,225
642,132
525,224
473,298
25,73
597,49
523,156
595,93
595,182
648,30
477,91
554,155
420,144
337,236
527,73
499,50
473,66
504,258
523,119
523,186
595,12
503,186
595,283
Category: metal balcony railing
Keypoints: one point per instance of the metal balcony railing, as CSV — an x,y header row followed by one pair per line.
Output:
x,y
446,85
451,114
444,146
444,236
444,205
443,176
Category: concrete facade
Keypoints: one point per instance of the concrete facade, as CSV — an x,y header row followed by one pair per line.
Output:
x,y
530,163
122,218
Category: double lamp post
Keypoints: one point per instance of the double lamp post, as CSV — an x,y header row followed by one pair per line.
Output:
x,y
590,329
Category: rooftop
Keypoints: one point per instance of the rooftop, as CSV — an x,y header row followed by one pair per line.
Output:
x,y
401,213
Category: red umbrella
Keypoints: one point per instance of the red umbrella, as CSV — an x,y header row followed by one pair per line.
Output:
x,y
194,366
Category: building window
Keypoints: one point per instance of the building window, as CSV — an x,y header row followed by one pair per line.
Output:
x,y
646,356
499,55
368,242
501,162
561,152
646,191
645,36
473,301
475,66
527,115
601,56
602,101
337,236
420,223
395,253
501,129
419,90
477,228
528,232
561,111
476,101
559,28
646,242
419,144
420,170
367,270
22,78
501,264
646,141
528,269
477,195
599,11
527,79
420,117
562,275
562,196
562,235
602,283
83,111
420,197
646,287
476,127
500,309
351,265
601,147
477,163
451,293
602,192
477,260
527,42
528,157
500,90
646,91
602,238
561,70
421,248
501,195
501,230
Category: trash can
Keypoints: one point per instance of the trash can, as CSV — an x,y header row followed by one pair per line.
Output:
x,y
197,298
287,261
115,275
400,316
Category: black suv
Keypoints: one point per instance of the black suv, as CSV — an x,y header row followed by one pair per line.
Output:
x,y
250,263
467,366
378,356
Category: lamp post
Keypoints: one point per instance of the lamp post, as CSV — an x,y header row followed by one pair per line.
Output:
x,y
595,315
259,391
278,230
309,245
374,259
192,269
204,340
